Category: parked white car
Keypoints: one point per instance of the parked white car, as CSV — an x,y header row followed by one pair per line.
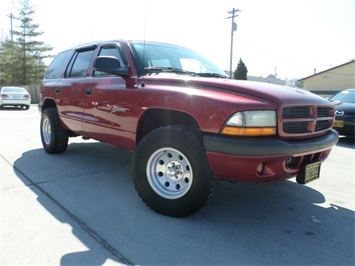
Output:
x,y
14,96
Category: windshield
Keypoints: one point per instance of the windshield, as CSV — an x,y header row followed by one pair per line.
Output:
x,y
158,57
347,96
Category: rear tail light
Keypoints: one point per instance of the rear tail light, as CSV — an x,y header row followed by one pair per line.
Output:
x,y
4,96
26,96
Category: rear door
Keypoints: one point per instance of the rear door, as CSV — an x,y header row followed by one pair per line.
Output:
x,y
72,87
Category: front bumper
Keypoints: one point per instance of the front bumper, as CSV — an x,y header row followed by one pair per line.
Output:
x,y
345,126
260,160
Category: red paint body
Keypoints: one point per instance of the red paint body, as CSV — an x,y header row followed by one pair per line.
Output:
x,y
112,109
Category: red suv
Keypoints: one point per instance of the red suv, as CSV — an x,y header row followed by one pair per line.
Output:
x,y
187,123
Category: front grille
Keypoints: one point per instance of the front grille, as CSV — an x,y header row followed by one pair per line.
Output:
x,y
323,111
295,127
295,112
322,124
305,121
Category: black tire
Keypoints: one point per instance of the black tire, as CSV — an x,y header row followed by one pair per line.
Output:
x,y
171,172
54,136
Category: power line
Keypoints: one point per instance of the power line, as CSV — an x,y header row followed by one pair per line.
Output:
x,y
329,71
274,57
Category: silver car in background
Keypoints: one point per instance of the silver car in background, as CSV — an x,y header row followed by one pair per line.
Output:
x,y
14,96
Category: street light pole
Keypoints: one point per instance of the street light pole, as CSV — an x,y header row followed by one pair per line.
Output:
x,y
233,29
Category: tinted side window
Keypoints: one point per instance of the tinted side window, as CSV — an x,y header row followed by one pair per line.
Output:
x,y
79,67
55,68
109,50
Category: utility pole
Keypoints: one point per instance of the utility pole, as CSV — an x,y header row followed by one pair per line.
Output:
x,y
233,29
12,17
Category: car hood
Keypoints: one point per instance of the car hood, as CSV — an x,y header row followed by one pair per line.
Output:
x,y
348,108
255,90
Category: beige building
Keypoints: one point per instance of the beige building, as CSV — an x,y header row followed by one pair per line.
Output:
x,y
332,80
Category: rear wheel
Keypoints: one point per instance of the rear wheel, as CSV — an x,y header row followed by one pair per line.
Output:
x,y
54,136
171,173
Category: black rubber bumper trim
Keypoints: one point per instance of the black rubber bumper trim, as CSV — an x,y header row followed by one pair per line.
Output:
x,y
267,146
39,106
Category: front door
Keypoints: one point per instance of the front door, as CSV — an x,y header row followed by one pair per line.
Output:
x,y
109,104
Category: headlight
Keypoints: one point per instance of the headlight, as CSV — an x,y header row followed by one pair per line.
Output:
x,y
251,123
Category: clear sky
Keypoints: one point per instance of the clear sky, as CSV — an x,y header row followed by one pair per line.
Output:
x,y
291,37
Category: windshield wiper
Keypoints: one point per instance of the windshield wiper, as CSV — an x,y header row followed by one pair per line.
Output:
x,y
169,69
213,75
337,102
181,71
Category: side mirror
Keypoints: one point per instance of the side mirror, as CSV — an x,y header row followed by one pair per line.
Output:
x,y
111,65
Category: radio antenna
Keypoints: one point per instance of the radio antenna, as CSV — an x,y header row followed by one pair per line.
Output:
x,y
144,36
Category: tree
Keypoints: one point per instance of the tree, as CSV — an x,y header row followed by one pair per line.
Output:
x,y
241,71
25,55
9,61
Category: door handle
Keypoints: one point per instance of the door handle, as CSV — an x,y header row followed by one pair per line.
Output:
x,y
57,90
88,91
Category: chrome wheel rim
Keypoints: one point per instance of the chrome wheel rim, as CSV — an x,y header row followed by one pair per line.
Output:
x,y
169,173
46,130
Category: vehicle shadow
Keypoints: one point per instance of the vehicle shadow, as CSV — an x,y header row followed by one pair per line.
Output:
x,y
283,223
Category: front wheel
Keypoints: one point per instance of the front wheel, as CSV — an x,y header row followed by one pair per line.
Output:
x,y
54,137
171,173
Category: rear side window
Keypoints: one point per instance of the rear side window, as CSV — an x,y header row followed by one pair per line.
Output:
x,y
56,67
80,64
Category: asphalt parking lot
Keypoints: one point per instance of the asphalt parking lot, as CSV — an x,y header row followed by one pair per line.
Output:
x,y
80,208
